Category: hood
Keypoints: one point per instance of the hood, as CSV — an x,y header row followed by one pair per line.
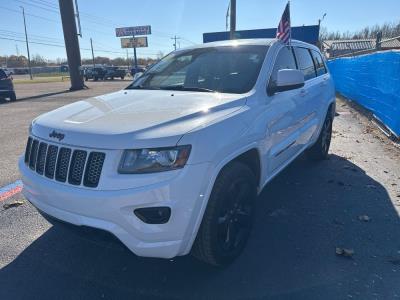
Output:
x,y
134,118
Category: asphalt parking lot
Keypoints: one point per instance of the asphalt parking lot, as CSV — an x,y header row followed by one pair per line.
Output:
x,y
302,216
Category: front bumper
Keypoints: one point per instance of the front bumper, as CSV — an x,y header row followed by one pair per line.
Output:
x,y
112,210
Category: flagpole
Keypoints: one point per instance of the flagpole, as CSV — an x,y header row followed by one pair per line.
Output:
x,y
290,26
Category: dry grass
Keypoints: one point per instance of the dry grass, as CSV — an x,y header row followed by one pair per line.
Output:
x,y
41,80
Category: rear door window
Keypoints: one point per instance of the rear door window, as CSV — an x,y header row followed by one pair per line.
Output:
x,y
305,62
284,60
319,63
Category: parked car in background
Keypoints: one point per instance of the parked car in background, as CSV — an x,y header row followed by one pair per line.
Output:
x,y
6,86
173,164
135,70
114,72
95,73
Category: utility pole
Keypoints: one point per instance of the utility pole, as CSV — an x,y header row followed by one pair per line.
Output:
x,y
71,43
175,38
27,44
127,58
233,20
91,46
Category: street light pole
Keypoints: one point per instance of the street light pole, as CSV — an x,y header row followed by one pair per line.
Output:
x,y
27,44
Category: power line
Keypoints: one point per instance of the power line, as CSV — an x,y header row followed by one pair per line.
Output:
x,y
37,43
54,21
187,40
47,3
52,7
87,17
63,46
38,6
42,37
29,14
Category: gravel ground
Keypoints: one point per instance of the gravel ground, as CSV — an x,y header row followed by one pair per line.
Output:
x,y
349,203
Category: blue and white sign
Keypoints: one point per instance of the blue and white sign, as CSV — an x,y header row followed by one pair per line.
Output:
x,y
133,31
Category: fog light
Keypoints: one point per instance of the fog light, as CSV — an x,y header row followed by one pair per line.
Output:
x,y
154,215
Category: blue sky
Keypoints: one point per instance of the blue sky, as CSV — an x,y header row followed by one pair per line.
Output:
x,y
187,19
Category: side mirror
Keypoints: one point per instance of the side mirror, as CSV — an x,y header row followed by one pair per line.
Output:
x,y
288,79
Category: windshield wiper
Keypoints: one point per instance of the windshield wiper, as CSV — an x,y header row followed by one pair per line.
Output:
x,y
186,88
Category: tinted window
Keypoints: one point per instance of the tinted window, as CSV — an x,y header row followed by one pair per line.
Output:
x,y
305,62
222,69
2,74
284,60
319,63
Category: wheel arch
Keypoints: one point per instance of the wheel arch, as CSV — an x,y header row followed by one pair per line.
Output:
x,y
250,156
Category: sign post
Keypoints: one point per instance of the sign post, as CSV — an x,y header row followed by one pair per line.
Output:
x,y
136,41
134,53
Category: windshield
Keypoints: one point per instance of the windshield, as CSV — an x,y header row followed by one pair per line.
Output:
x,y
227,69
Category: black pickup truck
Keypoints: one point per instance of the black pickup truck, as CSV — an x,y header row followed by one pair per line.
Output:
x,y
6,86
94,73
114,72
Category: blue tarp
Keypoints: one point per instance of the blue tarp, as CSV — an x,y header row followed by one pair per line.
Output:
x,y
308,34
372,80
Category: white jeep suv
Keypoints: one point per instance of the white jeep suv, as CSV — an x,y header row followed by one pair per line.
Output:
x,y
173,164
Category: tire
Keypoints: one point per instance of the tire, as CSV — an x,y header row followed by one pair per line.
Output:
x,y
319,151
228,218
122,77
112,78
86,78
13,96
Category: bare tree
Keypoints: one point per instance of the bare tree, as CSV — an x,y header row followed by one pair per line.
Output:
x,y
388,30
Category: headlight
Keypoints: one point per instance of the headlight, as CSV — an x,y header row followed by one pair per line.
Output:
x,y
154,160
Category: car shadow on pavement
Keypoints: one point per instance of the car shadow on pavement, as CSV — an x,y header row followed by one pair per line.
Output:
x,y
3,101
302,216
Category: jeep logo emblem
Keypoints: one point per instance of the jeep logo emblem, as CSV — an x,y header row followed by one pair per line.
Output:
x,y
56,135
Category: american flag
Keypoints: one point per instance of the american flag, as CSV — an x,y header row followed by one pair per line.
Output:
x,y
284,31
